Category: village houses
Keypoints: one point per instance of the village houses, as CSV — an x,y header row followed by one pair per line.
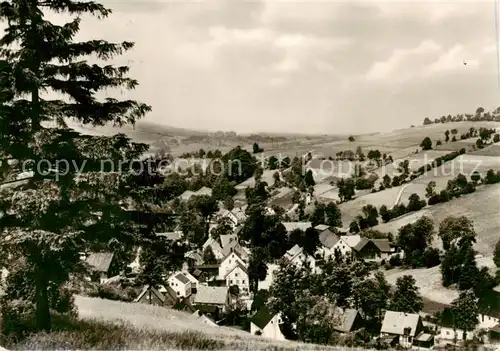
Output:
x,y
401,328
266,324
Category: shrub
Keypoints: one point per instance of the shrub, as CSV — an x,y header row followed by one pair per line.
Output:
x,y
111,292
395,261
432,257
434,199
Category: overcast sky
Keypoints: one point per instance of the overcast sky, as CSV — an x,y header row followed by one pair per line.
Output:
x,y
330,67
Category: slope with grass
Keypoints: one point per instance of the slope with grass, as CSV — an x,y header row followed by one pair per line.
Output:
x,y
429,280
482,207
158,328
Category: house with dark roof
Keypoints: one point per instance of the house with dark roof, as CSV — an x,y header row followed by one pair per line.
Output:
x,y
206,271
181,284
328,241
349,320
103,265
151,296
386,248
366,249
402,326
266,324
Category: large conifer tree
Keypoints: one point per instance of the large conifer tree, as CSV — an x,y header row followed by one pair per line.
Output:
x,y
57,212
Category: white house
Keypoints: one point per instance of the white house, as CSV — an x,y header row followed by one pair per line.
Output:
x,y
329,242
487,321
216,248
266,283
229,239
238,275
297,256
228,263
347,243
181,284
449,335
266,324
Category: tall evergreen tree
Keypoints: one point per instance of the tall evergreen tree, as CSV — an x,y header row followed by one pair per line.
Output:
x,y
59,210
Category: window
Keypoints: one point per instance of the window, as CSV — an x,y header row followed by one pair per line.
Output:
x,y
235,274
231,281
229,261
243,282
178,293
237,281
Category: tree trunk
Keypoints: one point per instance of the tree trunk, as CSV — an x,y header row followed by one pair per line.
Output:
x,y
42,302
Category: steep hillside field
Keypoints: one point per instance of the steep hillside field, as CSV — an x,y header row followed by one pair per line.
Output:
x,y
429,280
482,207
163,319
351,209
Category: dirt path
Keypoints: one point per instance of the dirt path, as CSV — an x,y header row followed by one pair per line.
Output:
x,y
400,194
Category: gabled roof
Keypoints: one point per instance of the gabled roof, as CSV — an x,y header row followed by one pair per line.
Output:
x,y
227,239
361,244
237,265
293,252
182,278
213,244
489,303
239,213
321,227
395,322
194,255
237,249
191,278
347,318
204,319
100,261
204,191
187,194
216,295
351,240
291,226
146,289
328,239
262,317
384,245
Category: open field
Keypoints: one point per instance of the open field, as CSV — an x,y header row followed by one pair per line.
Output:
x,y
351,209
491,150
163,319
429,280
267,176
482,207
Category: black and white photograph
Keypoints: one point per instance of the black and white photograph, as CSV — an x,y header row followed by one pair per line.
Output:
x,y
250,175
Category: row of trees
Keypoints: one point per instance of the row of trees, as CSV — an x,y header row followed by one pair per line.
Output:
x,y
480,115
